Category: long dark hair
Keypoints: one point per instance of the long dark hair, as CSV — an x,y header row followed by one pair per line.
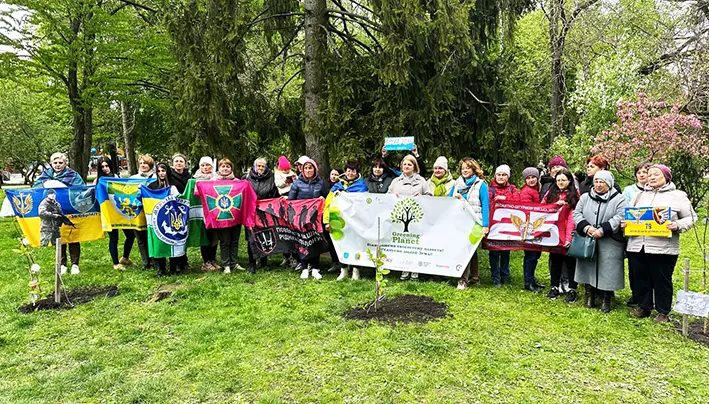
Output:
x,y
99,170
168,174
572,194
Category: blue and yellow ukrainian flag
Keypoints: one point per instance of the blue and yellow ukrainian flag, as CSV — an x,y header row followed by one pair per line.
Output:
x,y
78,204
120,206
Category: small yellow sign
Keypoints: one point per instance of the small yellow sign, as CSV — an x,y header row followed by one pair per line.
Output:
x,y
647,221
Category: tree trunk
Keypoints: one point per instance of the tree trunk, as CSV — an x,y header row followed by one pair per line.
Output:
x,y
313,87
557,41
128,126
558,91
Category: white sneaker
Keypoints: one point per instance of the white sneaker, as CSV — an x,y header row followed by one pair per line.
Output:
x,y
461,285
355,273
62,270
405,276
343,274
227,270
293,262
316,274
75,269
239,267
285,262
305,274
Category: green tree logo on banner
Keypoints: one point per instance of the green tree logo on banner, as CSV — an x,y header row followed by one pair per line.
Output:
x,y
406,211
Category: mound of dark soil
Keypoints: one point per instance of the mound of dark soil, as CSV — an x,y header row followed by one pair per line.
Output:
x,y
695,331
401,309
75,296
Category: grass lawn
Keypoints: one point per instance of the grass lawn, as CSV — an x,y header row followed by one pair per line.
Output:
x,y
272,338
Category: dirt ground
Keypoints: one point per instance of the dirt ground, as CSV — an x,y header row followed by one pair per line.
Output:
x,y
401,309
70,299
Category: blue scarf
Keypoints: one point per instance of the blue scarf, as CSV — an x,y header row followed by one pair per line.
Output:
x,y
463,186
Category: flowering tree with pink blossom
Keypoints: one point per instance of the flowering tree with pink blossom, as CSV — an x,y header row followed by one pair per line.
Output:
x,y
657,132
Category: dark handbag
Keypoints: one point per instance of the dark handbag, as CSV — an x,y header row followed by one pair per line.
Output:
x,y
582,247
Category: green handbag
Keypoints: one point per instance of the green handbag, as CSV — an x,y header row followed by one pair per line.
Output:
x,y
582,247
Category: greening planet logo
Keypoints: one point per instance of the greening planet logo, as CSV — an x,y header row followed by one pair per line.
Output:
x,y
406,211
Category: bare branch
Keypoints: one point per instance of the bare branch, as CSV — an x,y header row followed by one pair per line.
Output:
x,y
288,81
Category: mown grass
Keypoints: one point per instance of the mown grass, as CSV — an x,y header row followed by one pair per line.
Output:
x,y
272,338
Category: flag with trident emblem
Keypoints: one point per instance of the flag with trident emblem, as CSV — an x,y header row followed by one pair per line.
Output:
x,y
227,203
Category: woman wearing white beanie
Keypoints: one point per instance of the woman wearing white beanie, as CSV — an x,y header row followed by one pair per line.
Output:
x,y
441,182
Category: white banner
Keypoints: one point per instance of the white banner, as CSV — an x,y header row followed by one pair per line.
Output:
x,y
431,235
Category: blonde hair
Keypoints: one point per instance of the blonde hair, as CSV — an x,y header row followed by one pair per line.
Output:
x,y
411,159
472,164
147,160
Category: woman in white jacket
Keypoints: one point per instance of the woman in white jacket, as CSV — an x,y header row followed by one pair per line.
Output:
x,y
653,259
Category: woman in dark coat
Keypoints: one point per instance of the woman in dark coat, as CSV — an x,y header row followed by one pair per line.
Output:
x,y
379,178
264,184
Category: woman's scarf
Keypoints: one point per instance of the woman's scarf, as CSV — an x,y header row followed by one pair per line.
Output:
x,y
440,184
224,177
66,176
147,174
355,185
199,174
601,197
462,186
255,175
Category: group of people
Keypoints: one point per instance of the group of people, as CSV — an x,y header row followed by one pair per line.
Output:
x,y
596,204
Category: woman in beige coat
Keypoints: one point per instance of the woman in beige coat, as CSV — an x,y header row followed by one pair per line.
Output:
x,y
653,259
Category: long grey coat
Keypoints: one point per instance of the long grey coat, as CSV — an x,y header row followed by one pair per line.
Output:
x,y
605,271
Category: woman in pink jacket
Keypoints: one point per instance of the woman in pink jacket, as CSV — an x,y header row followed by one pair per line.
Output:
x,y
563,192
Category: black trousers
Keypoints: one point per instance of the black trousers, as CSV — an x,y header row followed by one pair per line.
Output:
x,y
653,279
209,252
229,244
142,237
556,263
74,253
252,260
331,247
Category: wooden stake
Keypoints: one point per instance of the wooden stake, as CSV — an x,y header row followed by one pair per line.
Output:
x,y
57,271
685,317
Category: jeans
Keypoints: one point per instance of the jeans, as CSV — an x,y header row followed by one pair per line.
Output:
x,y
500,266
113,244
530,266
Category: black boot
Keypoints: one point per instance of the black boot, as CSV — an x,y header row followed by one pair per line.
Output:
x,y
590,297
252,267
606,301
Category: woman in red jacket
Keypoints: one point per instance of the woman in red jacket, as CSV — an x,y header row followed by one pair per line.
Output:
x,y
530,194
501,190
563,192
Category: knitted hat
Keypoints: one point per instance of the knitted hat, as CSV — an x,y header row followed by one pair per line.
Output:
x,y
302,160
530,171
666,171
605,176
206,160
503,169
283,163
441,162
557,161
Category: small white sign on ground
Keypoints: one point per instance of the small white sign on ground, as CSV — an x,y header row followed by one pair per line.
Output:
x,y
693,303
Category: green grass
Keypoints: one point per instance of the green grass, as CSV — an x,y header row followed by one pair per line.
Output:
x,y
274,338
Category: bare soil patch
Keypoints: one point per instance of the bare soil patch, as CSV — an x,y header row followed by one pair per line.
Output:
x,y
70,299
401,309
